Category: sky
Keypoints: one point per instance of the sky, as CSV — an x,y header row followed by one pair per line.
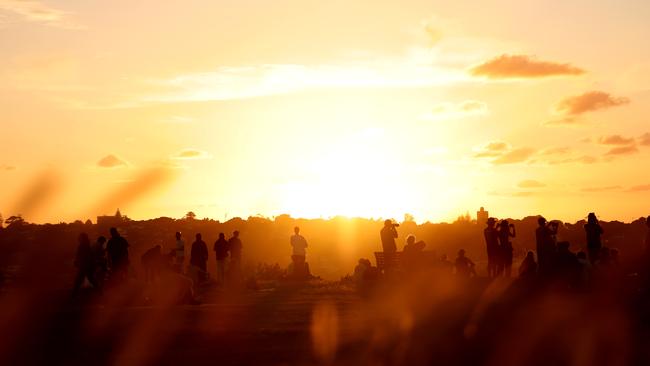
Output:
x,y
324,108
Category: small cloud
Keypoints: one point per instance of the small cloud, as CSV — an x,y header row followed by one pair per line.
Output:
x,y
587,102
639,188
491,149
600,189
7,167
585,140
644,140
522,66
622,150
529,183
518,155
465,108
191,154
111,161
615,140
585,159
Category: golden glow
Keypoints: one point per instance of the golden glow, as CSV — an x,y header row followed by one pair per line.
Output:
x,y
279,112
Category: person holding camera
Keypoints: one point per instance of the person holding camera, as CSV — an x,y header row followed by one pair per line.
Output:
x,y
388,235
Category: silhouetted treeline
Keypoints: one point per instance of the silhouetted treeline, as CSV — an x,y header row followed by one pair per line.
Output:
x,y
335,245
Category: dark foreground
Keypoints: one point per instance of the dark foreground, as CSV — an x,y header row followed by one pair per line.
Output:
x,y
423,319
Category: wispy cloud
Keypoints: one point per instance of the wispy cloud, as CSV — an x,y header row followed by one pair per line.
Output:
x,y
226,83
447,110
38,12
518,155
585,159
601,189
615,140
639,188
571,108
111,161
622,150
7,167
191,154
644,139
522,66
491,149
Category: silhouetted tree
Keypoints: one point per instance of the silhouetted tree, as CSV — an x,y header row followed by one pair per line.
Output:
x,y
16,220
190,216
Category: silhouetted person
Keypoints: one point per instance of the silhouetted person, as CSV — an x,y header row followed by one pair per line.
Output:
x,y
446,265
491,236
506,231
411,253
118,255
221,252
545,240
528,268
299,245
235,248
464,266
180,251
85,263
593,232
199,256
388,235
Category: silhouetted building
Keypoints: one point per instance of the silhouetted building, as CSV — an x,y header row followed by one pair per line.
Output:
x,y
482,216
111,221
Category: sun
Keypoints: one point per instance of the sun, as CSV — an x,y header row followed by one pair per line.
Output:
x,y
357,177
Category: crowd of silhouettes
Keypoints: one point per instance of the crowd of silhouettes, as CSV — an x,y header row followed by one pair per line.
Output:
x,y
97,263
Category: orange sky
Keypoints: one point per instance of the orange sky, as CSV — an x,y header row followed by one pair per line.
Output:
x,y
376,108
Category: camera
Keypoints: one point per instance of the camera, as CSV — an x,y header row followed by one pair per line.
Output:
x,y
395,225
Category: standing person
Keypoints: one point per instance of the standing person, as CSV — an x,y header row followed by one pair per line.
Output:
x,y
180,251
118,255
199,256
85,263
491,236
221,252
299,253
593,232
506,231
647,237
545,240
388,235
235,248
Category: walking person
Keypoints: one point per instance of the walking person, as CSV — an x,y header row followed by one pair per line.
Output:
x,y
221,251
